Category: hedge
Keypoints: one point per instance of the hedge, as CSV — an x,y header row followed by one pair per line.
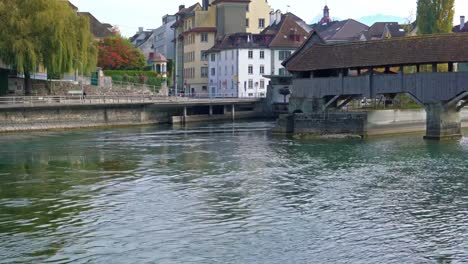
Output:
x,y
148,77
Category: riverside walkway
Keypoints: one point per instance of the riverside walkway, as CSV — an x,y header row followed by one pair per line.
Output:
x,y
35,101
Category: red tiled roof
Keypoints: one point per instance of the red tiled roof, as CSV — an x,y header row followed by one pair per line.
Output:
x,y
427,49
158,57
289,35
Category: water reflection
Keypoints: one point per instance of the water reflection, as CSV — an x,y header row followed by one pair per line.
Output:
x,y
230,193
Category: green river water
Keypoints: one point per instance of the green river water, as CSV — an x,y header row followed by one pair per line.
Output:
x,y
230,193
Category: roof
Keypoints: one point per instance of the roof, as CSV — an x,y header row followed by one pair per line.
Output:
x,y
242,41
215,2
289,33
98,29
456,29
426,49
141,37
189,9
158,57
341,31
377,30
200,30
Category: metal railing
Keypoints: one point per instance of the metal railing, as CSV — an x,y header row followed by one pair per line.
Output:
x,y
110,99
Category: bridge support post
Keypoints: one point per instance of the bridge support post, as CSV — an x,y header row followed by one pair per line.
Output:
x,y
185,115
233,112
442,122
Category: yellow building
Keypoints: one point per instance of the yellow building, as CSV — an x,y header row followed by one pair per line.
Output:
x,y
197,29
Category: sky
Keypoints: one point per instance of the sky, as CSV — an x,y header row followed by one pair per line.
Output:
x,y
129,15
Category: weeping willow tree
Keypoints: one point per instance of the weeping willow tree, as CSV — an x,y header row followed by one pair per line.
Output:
x,y
45,33
435,16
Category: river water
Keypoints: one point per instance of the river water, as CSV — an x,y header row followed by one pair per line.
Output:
x,y
230,193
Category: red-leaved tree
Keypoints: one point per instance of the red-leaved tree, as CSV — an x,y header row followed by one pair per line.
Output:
x,y
117,53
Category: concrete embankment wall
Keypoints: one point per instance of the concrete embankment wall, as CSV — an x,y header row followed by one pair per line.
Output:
x,y
381,122
369,123
80,116
101,115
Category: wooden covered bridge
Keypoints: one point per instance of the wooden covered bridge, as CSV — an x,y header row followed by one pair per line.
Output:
x,y
329,76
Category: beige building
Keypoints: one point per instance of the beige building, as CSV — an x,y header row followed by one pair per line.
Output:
x,y
200,25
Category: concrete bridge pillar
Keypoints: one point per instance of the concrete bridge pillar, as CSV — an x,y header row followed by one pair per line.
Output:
x,y
442,122
233,112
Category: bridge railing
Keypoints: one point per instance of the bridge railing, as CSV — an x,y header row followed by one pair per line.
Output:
x,y
427,87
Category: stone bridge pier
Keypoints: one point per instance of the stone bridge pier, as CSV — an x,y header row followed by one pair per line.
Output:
x,y
442,121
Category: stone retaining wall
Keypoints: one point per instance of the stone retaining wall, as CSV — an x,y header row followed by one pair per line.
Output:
x,y
81,116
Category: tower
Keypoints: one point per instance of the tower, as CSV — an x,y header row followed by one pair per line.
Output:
x,y
326,16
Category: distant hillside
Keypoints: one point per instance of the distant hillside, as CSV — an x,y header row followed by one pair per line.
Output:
x,y
369,20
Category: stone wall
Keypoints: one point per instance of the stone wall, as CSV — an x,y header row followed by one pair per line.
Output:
x,y
331,123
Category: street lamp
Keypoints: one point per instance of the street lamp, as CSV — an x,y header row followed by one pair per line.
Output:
x,y
81,80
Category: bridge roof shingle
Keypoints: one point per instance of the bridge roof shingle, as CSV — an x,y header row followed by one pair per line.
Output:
x,y
428,49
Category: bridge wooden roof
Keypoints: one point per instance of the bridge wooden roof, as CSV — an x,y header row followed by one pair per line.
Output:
x,y
428,49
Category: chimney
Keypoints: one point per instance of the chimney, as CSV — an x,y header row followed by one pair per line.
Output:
x,y
272,18
140,30
206,3
278,16
462,22
181,7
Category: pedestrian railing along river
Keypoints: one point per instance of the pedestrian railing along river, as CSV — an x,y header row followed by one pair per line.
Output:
x,y
111,99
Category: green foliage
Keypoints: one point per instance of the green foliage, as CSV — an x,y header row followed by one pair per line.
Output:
x,y
147,77
45,33
435,16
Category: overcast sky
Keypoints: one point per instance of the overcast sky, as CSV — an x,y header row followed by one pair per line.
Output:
x,y
128,15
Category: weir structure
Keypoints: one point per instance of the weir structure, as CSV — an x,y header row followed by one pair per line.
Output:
x,y
326,77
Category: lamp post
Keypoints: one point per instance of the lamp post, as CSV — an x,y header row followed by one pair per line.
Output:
x,y
81,80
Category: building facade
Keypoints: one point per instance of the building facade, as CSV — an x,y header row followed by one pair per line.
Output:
x,y
197,29
239,63
144,41
163,38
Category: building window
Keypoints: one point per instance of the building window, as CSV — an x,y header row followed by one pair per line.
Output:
x,y
204,37
204,55
213,57
232,70
284,54
250,69
250,54
205,88
213,71
250,84
232,54
247,8
283,72
204,72
247,22
261,23
262,84
262,54
262,69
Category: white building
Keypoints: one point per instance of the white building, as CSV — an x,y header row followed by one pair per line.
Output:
x,y
239,62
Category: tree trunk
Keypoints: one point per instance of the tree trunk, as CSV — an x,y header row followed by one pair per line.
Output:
x,y
27,83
